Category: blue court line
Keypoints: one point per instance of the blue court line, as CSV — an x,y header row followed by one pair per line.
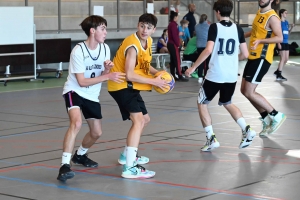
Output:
x,y
162,184
69,188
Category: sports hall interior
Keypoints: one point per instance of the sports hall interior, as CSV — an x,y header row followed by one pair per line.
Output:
x,y
33,120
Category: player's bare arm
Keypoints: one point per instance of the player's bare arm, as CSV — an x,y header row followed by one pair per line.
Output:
x,y
130,64
203,56
274,24
244,53
247,34
85,82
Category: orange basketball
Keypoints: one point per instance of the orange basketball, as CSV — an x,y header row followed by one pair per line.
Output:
x,y
170,80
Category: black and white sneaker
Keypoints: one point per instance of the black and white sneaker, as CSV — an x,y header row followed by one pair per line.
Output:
x,y
247,137
83,160
65,173
211,144
279,77
275,73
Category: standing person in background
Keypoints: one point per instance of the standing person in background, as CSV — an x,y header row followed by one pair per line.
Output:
x,y
174,47
284,46
133,57
265,33
225,39
185,33
191,18
89,67
162,42
201,30
190,53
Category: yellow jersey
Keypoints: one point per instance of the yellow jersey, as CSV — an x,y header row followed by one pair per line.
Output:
x,y
142,67
259,31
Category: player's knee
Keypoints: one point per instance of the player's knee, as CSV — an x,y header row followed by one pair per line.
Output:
x,y
146,121
96,134
245,92
141,123
76,125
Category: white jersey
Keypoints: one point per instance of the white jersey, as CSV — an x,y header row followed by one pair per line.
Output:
x,y
89,62
223,65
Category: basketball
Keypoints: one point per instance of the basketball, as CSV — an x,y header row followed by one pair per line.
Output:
x,y
170,80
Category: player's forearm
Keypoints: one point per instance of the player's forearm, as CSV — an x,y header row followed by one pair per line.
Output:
x,y
247,34
92,81
153,70
133,77
205,53
275,39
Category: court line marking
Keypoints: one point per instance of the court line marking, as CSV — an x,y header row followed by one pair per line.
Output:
x,y
144,181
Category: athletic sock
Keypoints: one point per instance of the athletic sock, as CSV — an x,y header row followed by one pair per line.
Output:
x,y
209,131
131,156
264,114
273,113
242,123
66,157
81,150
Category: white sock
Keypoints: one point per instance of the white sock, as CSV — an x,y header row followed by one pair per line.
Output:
x,y
242,123
125,150
81,150
66,157
209,131
131,156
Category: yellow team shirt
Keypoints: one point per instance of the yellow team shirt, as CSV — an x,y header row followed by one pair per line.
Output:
x,y
142,67
259,31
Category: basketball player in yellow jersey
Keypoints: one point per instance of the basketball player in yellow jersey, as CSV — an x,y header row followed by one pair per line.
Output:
x,y
265,33
133,58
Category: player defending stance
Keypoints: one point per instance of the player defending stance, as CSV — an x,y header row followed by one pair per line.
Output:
x,y
223,43
89,67
133,58
265,33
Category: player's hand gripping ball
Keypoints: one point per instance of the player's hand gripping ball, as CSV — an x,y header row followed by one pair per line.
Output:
x,y
168,78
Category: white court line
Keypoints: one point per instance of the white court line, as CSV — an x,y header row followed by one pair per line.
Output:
x,y
293,153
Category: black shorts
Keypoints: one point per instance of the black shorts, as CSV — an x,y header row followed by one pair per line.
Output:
x,y
284,47
129,101
255,70
90,109
209,89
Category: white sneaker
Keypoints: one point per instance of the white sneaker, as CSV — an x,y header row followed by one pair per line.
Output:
x,y
211,143
276,122
266,122
200,80
247,137
136,171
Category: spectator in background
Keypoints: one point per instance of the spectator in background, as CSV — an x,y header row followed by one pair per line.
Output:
x,y
191,18
190,53
162,43
284,46
201,30
185,36
174,47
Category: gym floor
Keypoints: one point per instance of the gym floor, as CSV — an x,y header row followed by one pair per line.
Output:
x,y
33,122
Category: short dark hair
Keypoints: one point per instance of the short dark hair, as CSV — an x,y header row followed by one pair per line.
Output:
x,y
92,21
224,7
148,18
